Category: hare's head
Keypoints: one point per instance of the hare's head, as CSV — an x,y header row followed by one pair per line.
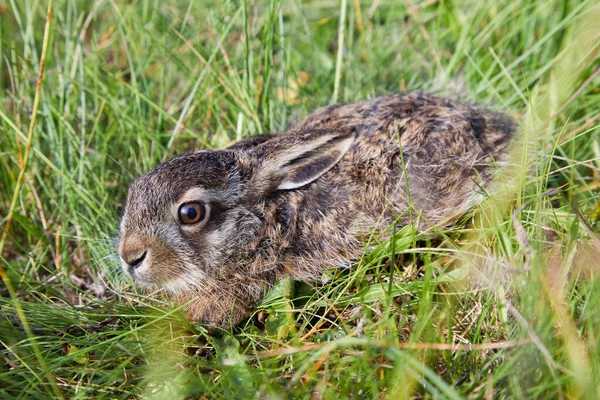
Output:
x,y
186,218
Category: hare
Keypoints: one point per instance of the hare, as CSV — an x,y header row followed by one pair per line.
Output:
x,y
216,228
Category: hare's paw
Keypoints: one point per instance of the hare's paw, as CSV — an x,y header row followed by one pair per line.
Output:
x,y
217,312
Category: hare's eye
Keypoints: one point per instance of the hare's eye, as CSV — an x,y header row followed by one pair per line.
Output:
x,y
192,213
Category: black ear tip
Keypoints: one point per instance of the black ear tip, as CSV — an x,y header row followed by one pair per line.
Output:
x,y
351,134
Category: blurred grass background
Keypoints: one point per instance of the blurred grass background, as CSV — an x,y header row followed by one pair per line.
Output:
x,y
505,305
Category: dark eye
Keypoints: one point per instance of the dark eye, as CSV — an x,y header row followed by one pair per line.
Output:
x,y
192,213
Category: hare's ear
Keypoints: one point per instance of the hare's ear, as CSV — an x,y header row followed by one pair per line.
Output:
x,y
291,161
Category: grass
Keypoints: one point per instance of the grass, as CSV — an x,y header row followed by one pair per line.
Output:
x,y
504,305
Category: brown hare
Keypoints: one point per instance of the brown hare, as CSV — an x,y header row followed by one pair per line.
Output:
x,y
216,228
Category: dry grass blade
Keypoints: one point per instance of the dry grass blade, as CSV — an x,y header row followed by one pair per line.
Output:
x,y
327,347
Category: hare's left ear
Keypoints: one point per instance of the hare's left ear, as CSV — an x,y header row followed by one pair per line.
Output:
x,y
291,161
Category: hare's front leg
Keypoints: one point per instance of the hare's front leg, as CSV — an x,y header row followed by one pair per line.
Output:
x,y
225,309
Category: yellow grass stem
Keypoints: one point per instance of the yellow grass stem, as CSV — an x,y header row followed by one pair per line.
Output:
x,y
14,202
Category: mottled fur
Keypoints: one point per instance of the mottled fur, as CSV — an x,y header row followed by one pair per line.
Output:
x,y
292,205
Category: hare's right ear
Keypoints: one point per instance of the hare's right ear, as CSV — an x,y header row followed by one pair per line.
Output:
x,y
291,161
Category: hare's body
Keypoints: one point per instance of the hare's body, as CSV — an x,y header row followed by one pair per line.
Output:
x,y
292,205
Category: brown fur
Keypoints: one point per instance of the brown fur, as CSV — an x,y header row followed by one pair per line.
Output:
x,y
345,171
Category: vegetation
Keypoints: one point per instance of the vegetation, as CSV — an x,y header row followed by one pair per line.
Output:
x,y
504,305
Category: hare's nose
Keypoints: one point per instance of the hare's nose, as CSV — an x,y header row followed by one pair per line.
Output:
x,y
133,259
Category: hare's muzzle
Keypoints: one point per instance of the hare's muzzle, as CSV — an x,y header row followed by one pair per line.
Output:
x,y
132,253
133,261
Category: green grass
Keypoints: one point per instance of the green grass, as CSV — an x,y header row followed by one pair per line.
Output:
x,y
505,305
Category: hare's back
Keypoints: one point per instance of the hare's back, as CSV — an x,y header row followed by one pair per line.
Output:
x,y
442,147
419,119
